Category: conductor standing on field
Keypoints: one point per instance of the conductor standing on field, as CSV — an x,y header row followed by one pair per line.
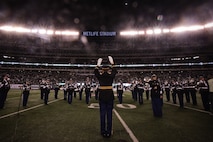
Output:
x,y
156,96
105,75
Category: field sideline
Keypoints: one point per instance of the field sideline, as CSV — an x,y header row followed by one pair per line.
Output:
x,y
60,121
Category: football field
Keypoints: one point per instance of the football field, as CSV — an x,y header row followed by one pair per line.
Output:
x,y
62,122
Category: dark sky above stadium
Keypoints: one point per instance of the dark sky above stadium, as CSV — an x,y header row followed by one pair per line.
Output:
x,y
105,14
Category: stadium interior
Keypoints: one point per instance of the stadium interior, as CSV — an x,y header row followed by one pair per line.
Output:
x,y
62,39
147,52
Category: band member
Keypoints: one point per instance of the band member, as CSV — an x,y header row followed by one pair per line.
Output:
x,y
180,92
56,89
76,89
192,90
70,90
4,89
26,92
120,91
167,90
210,83
147,87
133,89
41,85
46,90
105,76
88,87
65,87
186,90
81,88
204,92
140,90
174,92
156,96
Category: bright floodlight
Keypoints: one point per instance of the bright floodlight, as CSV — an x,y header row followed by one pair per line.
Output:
x,y
149,32
6,28
34,30
178,29
129,33
195,28
208,25
42,31
57,32
166,30
157,31
68,33
21,30
141,32
50,32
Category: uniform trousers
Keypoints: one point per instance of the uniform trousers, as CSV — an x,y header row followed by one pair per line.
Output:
x,y
70,96
46,97
120,96
174,96
180,98
167,90
140,96
88,94
3,97
205,99
211,101
147,94
186,91
157,106
106,116
193,95
80,94
42,93
56,93
65,94
25,97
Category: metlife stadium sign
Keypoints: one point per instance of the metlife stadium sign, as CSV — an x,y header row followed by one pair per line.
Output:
x,y
99,33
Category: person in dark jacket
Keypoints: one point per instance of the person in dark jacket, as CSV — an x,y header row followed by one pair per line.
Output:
x,y
105,76
26,92
204,92
4,89
156,96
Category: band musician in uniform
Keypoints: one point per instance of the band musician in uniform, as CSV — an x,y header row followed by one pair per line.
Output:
x,y
26,92
156,96
120,88
105,75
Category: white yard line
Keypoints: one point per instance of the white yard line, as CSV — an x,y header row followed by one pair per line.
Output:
x,y
132,136
195,109
27,109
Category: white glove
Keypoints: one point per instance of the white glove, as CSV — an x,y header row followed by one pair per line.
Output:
x,y
111,60
99,62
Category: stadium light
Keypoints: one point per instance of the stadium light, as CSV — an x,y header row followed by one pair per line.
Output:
x,y
208,25
178,29
21,30
157,31
6,28
42,31
50,32
149,32
34,30
57,32
166,30
128,33
141,32
72,33
195,28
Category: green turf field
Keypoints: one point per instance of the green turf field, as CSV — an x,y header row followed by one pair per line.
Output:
x,y
62,122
